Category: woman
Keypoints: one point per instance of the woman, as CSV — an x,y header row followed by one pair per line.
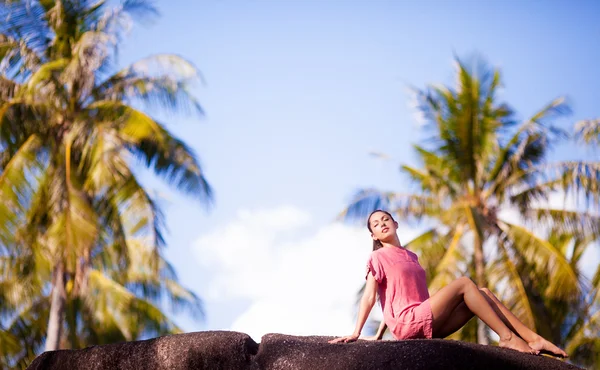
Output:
x,y
395,273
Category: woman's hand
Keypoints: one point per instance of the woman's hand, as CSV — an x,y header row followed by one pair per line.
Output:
x,y
346,339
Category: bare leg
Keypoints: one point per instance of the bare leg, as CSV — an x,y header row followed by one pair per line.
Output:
x,y
534,340
459,317
462,315
446,300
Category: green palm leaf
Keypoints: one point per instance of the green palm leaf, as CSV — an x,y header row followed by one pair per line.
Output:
x,y
583,224
147,139
15,188
545,257
518,300
447,269
168,87
125,309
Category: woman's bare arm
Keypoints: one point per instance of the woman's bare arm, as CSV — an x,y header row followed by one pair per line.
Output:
x,y
366,304
381,330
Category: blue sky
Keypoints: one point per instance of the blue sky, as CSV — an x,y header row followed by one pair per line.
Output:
x,y
297,93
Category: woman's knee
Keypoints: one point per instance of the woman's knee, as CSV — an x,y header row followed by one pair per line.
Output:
x,y
467,283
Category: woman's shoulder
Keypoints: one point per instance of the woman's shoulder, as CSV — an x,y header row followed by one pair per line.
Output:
x,y
374,256
414,254
380,254
410,252
377,252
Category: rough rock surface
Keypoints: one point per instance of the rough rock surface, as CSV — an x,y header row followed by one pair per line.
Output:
x,y
233,350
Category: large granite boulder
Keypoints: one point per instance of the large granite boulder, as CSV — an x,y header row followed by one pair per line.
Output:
x,y
278,351
202,350
232,350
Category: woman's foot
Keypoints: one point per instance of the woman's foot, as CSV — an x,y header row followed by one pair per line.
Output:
x,y
545,347
516,343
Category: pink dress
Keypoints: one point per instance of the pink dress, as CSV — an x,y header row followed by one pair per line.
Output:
x,y
402,291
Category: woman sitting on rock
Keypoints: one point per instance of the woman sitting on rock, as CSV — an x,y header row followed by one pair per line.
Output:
x,y
395,273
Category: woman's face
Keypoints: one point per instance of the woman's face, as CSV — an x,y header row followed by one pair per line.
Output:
x,y
383,227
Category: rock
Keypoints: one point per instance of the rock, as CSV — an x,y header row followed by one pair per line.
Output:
x,y
278,351
202,350
232,350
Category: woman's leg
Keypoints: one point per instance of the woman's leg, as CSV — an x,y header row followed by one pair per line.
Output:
x,y
534,340
447,299
461,315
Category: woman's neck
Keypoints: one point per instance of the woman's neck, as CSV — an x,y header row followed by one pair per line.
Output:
x,y
395,243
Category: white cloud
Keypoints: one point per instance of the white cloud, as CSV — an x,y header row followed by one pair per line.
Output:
x,y
296,285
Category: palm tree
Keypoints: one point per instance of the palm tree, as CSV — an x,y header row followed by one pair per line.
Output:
x,y
479,166
80,236
588,131
119,305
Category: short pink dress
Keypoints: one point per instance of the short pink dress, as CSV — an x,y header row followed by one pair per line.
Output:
x,y
402,291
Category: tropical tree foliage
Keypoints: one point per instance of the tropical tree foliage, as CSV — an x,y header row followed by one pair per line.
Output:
x,y
81,238
588,131
486,192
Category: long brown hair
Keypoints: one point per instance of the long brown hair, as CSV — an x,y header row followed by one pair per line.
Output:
x,y
377,243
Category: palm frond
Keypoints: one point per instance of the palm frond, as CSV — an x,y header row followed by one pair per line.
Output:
x,y
183,298
447,269
588,131
168,156
28,326
438,167
118,20
9,345
579,346
580,223
89,54
530,138
43,76
151,277
523,199
140,214
74,230
25,20
579,179
544,257
158,81
430,180
131,314
20,283
404,206
16,187
517,300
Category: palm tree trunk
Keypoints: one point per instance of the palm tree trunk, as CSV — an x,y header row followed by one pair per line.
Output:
x,y
482,337
57,309
80,283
